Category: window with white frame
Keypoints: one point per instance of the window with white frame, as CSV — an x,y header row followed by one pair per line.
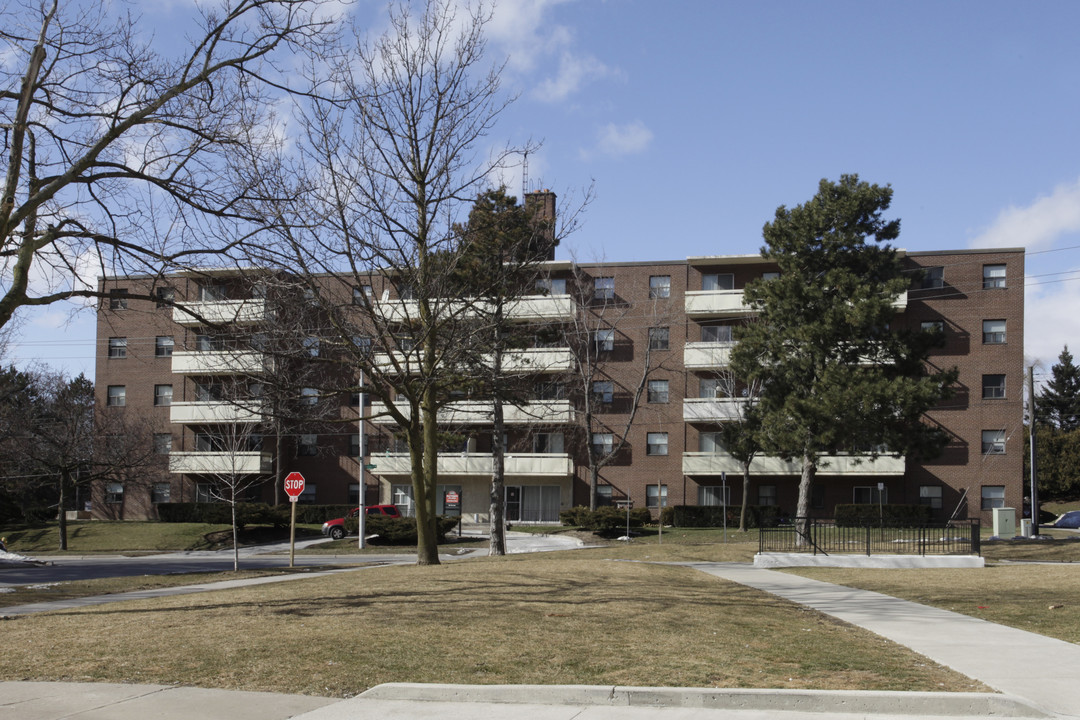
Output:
x,y
211,292
118,299
114,493
603,391
869,495
117,396
993,332
659,286
930,495
658,391
766,495
117,347
163,346
993,496
549,443
208,343
309,494
402,497
308,445
162,395
713,495
993,442
603,444
659,338
161,492
656,443
716,333
550,390
993,387
718,281
551,286
710,387
654,493
209,391
993,276
361,292
710,442
604,288
605,340
362,343
166,296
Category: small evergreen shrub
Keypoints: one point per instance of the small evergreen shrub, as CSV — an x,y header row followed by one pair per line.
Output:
x,y
398,531
883,516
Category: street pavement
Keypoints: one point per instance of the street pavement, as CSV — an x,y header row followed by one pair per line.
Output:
x,y
1035,676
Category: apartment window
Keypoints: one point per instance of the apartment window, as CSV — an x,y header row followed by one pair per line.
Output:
x,y
209,343
208,442
654,493
933,278
993,276
163,346
162,395
204,493
716,333
354,493
658,391
114,493
548,443
161,492
710,388
208,392
117,396
603,391
550,391
162,443
770,275
604,288
360,292
211,292
993,387
603,444
766,495
311,346
710,442
935,326
118,299
656,443
930,495
309,396
354,445
308,445
117,347
993,496
659,338
993,332
604,496
551,286
993,442
405,343
406,291
713,495
659,286
870,495
362,343
605,340
165,296
256,389
254,442
307,497
718,281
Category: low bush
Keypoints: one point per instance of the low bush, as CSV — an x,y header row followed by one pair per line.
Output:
x,y
398,531
250,513
882,516
607,520
713,516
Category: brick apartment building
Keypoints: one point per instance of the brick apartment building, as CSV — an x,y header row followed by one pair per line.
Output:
x,y
157,360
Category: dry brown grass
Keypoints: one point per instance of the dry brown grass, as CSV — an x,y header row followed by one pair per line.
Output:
x,y
1038,598
561,618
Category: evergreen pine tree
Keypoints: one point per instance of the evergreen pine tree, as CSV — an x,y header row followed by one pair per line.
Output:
x,y
1059,402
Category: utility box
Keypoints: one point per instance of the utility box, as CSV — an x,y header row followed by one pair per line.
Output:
x,y
1025,527
1004,522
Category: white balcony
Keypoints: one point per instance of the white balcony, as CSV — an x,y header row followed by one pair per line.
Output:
x,y
542,308
221,463
220,312
531,360
701,463
528,308
711,409
473,412
219,362
716,304
518,465
707,355
900,303
213,413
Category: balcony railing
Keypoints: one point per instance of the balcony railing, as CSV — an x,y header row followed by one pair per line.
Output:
x,y
712,409
528,308
221,463
716,303
219,362
705,463
531,360
213,413
473,412
707,355
220,312
518,465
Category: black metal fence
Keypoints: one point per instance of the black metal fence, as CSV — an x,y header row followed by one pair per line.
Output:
x,y
825,537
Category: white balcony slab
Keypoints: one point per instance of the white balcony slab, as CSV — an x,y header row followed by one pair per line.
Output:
x,y
530,360
716,303
518,465
219,362
221,463
711,409
699,463
707,355
528,308
220,312
470,412
212,412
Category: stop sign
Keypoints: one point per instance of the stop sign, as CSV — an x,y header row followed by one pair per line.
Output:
x,y
294,484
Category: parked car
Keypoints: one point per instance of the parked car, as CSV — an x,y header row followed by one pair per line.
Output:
x,y
336,528
1070,519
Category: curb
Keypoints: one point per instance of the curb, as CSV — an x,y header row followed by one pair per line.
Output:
x,y
922,704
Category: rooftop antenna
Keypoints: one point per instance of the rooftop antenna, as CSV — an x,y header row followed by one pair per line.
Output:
x,y
525,175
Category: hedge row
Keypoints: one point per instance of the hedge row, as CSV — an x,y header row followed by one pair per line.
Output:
x,y
249,513
398,531
713,516
605,520
882,516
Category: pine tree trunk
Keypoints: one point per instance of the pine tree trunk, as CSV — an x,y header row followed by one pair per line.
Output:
x,y
802,510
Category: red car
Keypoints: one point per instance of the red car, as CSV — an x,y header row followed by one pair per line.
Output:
x,y
336,528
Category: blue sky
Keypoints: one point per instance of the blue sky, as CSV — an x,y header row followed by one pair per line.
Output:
x,y
694,120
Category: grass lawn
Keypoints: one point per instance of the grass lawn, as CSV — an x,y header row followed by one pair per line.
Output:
x,y
99,536
561,618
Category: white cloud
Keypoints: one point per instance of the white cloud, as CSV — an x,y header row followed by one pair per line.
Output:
x,y
575,71
620,140
1036,225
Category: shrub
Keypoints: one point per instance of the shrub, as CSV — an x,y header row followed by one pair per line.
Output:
x,y
399,531
607,520
249,513
882,516
575,516
713,516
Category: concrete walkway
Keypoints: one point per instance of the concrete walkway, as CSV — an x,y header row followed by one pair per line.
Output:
x,y
1038,676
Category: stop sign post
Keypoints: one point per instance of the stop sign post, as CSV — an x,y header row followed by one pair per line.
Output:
x,y
294,486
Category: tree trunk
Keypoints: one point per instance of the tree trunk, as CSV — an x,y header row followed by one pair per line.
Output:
x,y
745,495
425,455
802,510
497,543
61,514
235,535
